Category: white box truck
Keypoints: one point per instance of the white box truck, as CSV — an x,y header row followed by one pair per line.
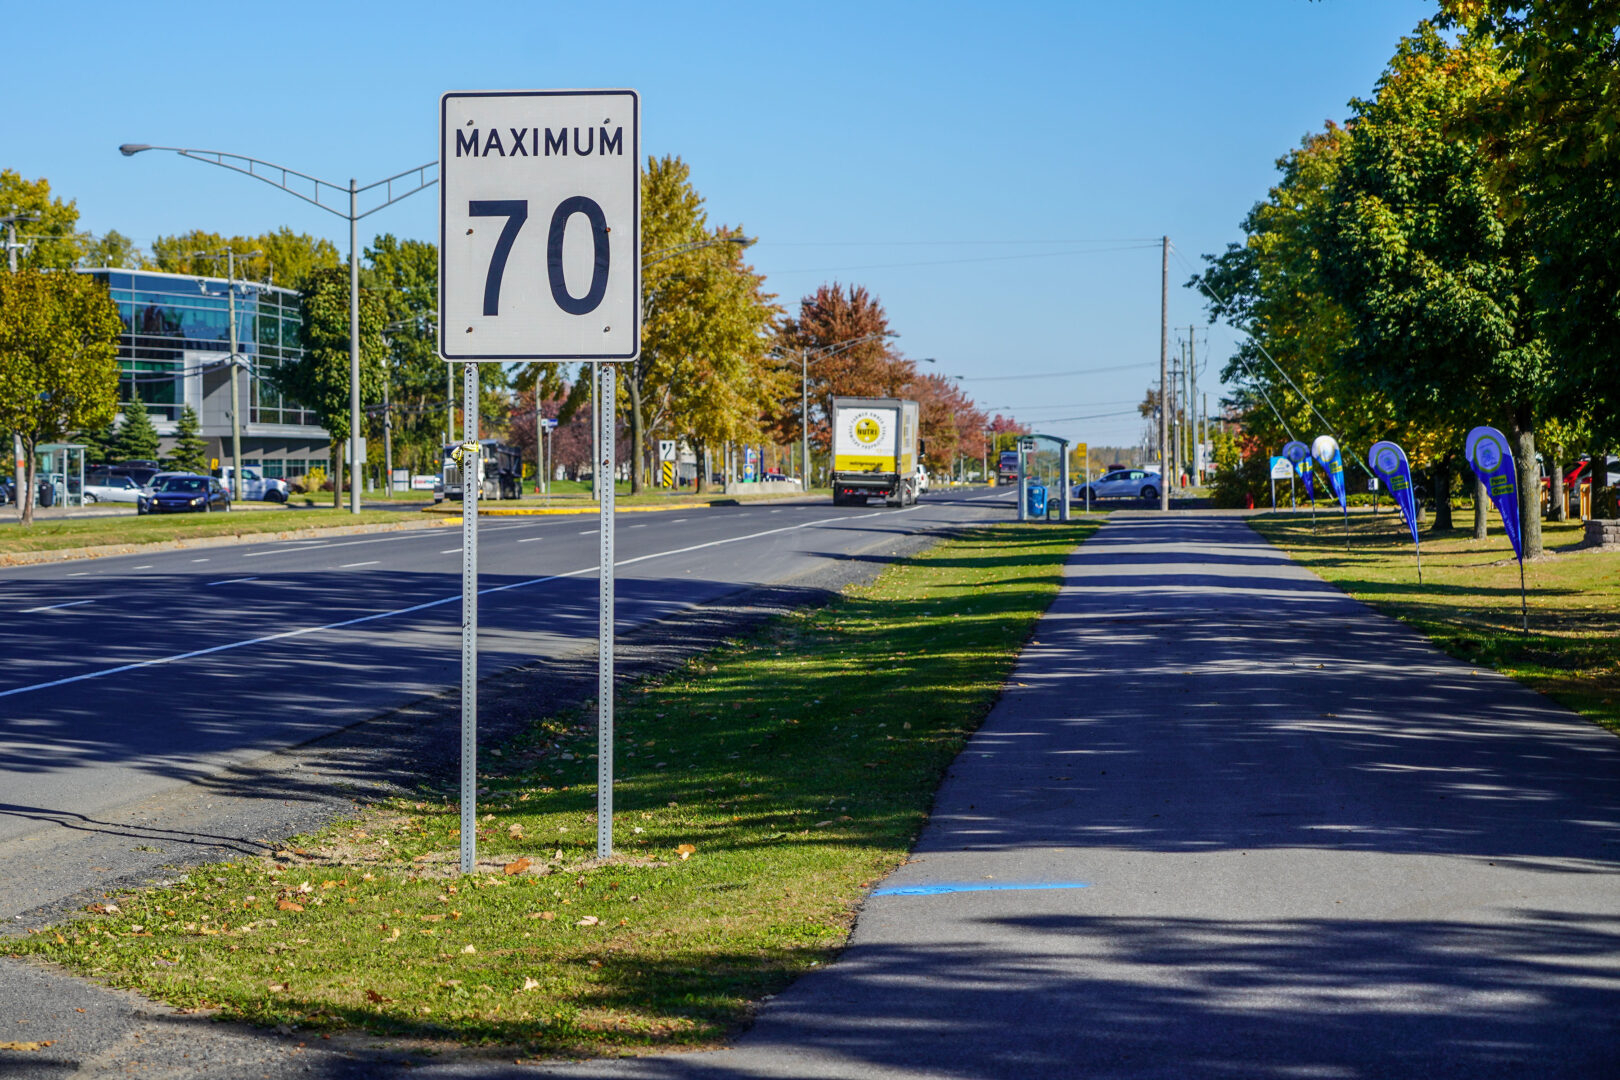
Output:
x,y
875,450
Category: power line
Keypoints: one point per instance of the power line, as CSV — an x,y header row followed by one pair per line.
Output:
x,y
954,262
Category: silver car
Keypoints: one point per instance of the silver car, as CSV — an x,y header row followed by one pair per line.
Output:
x,y
1121,484
100,487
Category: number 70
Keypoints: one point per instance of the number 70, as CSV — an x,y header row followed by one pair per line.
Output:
x,y
516,212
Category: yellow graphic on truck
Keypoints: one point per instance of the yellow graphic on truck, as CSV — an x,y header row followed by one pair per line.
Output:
x,y
864,441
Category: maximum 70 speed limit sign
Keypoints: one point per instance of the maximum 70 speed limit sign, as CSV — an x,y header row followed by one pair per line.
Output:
x,y
540,225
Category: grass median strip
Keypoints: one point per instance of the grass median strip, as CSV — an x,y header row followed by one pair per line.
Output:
x,y
63,533
1468,603
764,788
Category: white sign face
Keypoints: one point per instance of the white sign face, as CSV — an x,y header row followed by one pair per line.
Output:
x,y
666,449
540,225
1280,469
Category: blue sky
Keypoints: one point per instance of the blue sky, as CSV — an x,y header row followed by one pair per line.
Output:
x,y
996,173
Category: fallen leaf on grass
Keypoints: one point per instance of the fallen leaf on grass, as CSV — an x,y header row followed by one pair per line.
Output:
x,y
288,905
376,998
432,918
469,949
820,824
530,984
26,1045
589,920
546,915
686,851
515,831
519,866
103,909
280,987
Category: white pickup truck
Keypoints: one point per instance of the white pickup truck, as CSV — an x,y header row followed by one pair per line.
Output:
x,y
256,487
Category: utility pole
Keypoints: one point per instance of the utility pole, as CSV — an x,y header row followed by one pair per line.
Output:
x,y
1177,436
1192,408
236,390
18,463
1164,381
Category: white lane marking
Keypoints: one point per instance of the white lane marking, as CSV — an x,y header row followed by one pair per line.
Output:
x,y
449,551
232,581
352,565
81,573
53,607
311,545
532,540
588,532
643,525
777,511
677,521
304,631
199,560
148,566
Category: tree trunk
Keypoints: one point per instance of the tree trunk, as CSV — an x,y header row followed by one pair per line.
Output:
x,y
632,386
1481,501
700,454
1442,495
25,496
1524,462
1555,486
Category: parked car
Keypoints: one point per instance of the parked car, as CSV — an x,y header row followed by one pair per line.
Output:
x,y
922,479
138,471
256,486
183,493
103,485
1121,484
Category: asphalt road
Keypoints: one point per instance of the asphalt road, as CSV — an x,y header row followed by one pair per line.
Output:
x,y
126,676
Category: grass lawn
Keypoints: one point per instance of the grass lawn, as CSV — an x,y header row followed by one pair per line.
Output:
x,y
762,790
1469,600
55,534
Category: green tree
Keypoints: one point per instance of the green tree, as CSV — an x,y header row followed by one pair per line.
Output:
x,y
320,380
1552,134
58,361
285,258
49,235
100,442
190,448
1422,254
112,249
137,439
705,320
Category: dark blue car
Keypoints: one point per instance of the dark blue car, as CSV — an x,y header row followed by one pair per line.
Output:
x,y
176,493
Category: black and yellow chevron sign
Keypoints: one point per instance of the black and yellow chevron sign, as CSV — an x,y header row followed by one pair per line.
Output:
x,y
667,477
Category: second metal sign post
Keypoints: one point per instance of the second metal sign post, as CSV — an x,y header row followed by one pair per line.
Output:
x,y
539,259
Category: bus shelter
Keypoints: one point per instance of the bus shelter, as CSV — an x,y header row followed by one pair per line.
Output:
x,y
63,465
1043,461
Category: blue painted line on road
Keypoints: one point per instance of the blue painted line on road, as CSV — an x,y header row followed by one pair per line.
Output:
x,y
232,581
977,886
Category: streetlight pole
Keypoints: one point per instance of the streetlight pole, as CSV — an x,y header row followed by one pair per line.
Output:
x,y
19,464
804,387
278,176
234,363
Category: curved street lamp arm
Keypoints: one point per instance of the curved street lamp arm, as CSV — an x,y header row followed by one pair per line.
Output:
x,y
310,187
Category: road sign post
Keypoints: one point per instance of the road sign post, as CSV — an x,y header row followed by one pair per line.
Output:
x,y
540,259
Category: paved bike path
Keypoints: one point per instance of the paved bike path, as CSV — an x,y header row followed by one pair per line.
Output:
x,y
1311,846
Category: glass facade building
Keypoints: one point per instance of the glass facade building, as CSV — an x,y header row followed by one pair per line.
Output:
x,y
174,351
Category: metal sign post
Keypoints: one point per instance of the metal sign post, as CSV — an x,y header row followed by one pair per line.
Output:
x,y
539,259
469,617
604,624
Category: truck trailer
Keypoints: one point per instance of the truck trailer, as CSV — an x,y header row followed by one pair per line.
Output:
x,y
875,450
500,471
